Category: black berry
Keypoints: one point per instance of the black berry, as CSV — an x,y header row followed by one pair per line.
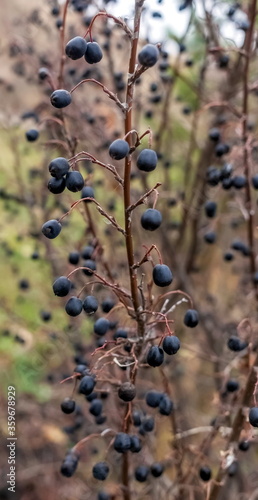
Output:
x,y
119,149
32,135
87,385
162,276
51,229
73,306
90,304
68,405
151,219
100,471
148,56
93,53
147,160
60,98
253,416
62,286
191,318
76,48
59,167
127,391
155,356
74,181
171,344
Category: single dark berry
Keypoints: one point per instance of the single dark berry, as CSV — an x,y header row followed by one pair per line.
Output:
x,y
43,73
235,344
87,192
227,184
162,276
96,407
232,469
32,135
101,419
101,326
213,176
51,229
205,473
244,445
100,471
122,442
69,464
141,473
223,61
93,53
73,306
157,469
147,425
74,258
87,385
24,284
74,181
210,208
91,397
127,391
120,334
90,304
87,252
56,186
45,315
119,149
107,305
76,48
60,98
155,356
68,405
221,149
147,160
239,181
153,398
191,318
253,416
166,405
136,444
210,237
171,344
136,418
214,134
228,256
91,266
62,286
148,56
151,219
232,385
59,167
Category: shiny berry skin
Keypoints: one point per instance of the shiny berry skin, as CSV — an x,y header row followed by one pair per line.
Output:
x,y
59,167
87,385
90,304
32,135
151,219
68,406
122,442
76,48
60,98
191,318
136,444
166,405
157,469
73,306
96,407
148,56
235,344
51,229
87,192
155,356
253,416
119,149
153,398
107,305
141,473
100,471
162,276
205,473
87,252
210,208
74,181
69,464
62,286
147,160
136,418
239,181
171,344
93,53
232,385
221,149
147,425
127,391
101,326
56,186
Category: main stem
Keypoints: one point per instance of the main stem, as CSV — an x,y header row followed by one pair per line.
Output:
x,y
127,213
